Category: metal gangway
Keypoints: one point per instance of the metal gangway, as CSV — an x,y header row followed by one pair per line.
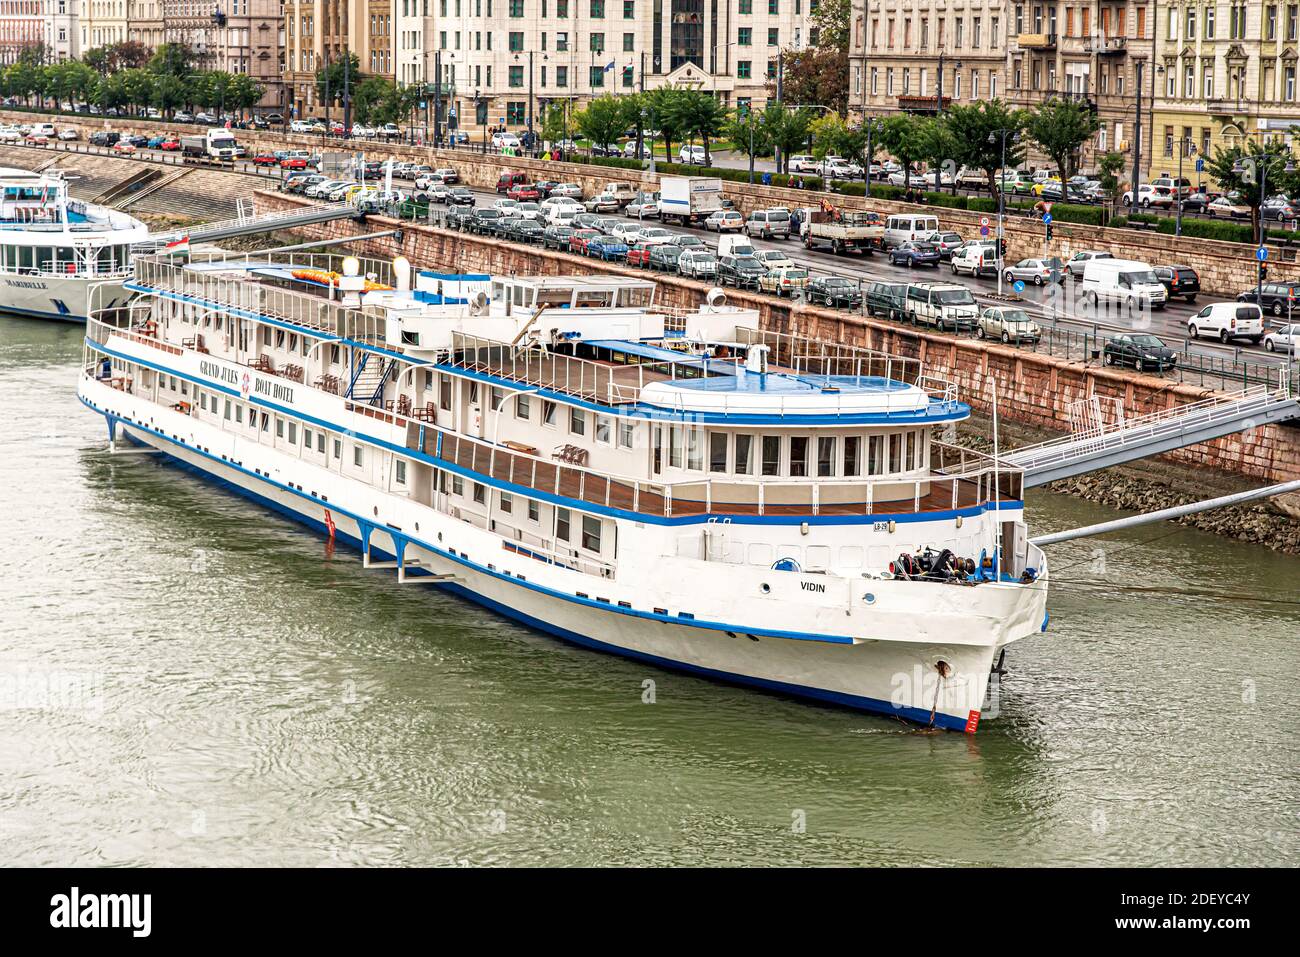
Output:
x,y
1101,440
248,223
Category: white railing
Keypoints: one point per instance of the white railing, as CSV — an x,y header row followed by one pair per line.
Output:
x,y
55,269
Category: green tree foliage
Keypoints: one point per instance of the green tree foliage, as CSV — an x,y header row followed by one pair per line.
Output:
x,y
745,128
814,76
902,138
1250,170
329,78
172,59
603,121
1110,166
787,130
977,133
833,137
663,116
166,92
1060,128
372,101
699,114
833,20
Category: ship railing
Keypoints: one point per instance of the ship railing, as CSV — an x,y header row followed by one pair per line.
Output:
x,y
810,356
530,545
52,268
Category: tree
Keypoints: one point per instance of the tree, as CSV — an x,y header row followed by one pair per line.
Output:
x,y
371,100
831,136
700,114
745,128
977,134
137,85
832,20
602,122
244,93
172,59
903,139
131,55
814,76
1245,169
554,123
787,130
68,82
664,116
1060,128
329,78
100,59
168,93
1110,166
111,92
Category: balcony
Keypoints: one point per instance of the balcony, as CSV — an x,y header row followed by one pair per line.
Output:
x,y
1108,46
910,103
1036,41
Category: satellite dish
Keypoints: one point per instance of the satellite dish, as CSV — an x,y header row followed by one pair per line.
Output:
x,y
478,303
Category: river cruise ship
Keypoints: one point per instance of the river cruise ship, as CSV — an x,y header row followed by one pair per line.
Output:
x,y
676,486
54,248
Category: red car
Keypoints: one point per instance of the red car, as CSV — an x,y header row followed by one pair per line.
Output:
x,y
170,146
293,162
507,181
578,241
524,191
265,159
638,255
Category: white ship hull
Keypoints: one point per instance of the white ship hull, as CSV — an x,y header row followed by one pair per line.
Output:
x,y
64,299
891,675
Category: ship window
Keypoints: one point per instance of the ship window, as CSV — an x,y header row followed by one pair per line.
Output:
x,y
306,437
895,453
444,392
658,464
913,460
851,464
604,430
577,422
771,455
338,448
239,414
498,396
695,450
479,493
293,433
798,455
279,428
626,433
400,472
562,524
674,447
320,442
266,423
226,414
744,454
548,413
335,356
293,342
591,533
358,456
507,502
473,391
825,455
877,452
457,485
522,410
717,451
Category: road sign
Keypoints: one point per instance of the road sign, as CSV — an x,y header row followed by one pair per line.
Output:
x,y
1019,285
1200,165
984,220
984,230
1261,254
1047,218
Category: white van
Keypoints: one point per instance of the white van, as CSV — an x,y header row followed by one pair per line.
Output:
x,y
1123,280
943,305
44,129
735,245
561,215
1228,320
905,227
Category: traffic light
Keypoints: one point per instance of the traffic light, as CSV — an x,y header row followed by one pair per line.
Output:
x,y
1002,249
1263,272
1049,232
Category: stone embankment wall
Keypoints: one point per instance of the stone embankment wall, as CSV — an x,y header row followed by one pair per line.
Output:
x,y
1032,389
1225,268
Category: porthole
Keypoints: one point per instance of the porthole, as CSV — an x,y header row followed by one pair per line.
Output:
x,y
869,598
765,588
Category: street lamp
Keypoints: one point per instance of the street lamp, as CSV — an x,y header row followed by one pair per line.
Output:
x,y
1002,192
870,124
938,103
1185,148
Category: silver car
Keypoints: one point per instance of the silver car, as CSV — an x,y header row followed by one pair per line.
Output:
x,y
1036,271
697,263
1007,324
572,190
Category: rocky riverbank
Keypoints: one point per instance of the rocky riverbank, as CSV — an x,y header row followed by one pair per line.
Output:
x,y
1151,485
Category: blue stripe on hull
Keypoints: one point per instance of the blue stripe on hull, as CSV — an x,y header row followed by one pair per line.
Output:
x,y
856,702
38,314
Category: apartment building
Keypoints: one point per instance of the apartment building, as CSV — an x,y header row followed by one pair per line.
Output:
x,y
62,29
316,32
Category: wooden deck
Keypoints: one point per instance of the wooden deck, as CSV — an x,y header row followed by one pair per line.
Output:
x,y
613,383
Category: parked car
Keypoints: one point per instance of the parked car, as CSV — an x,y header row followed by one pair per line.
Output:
x,y
68,133
887,300
506,181
1228,206
643,206
914,253
449,175
484,221
691,154
606,247
1179,281
523,230
1007,324
557,237
1278,208
1150,195
743,272
697,262
834,291
773,258
521,191
460,196
572,190
122,146
724,220
1143,351
1227,321
1036,271
803,163
688,241
783,280
579,238
1123,280
1277,298
664,257
943,305
1285,339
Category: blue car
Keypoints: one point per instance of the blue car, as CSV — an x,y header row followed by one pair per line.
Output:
x,y
156,141
914,253
607,248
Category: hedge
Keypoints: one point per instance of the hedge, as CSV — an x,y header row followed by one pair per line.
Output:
x,y
728,173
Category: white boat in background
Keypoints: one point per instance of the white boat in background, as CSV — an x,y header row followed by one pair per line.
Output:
x,y
677,486
54,249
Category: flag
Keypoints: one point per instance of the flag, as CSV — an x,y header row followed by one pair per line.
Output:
x,y
610,66
178,246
